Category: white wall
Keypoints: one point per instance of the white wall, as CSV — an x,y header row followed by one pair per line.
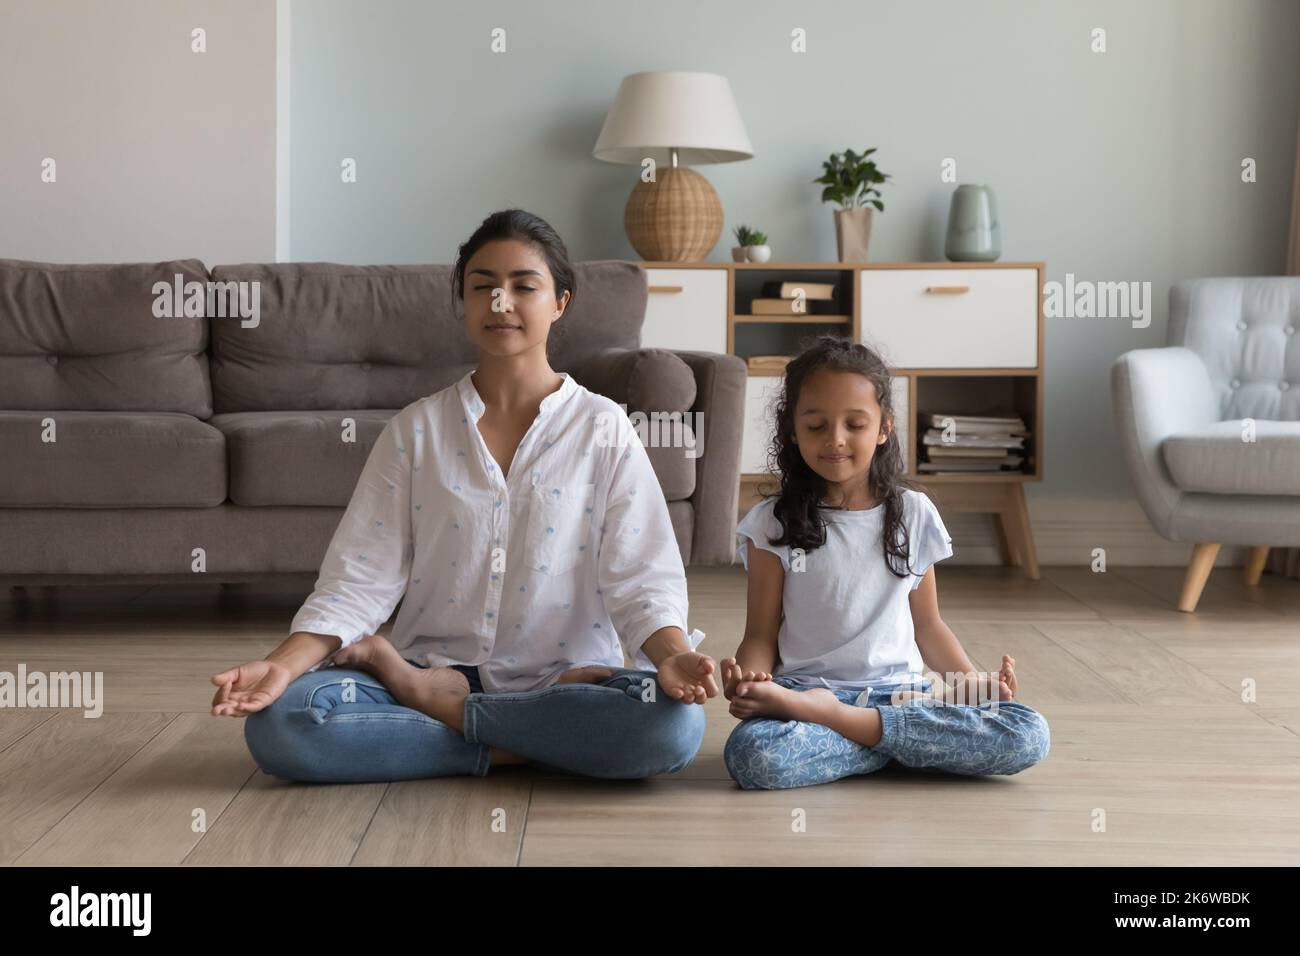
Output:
x,y
160,152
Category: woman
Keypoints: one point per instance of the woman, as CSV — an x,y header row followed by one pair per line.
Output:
x,y
522,520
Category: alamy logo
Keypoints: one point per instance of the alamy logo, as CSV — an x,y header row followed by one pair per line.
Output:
x,y
655,430
102,909
57,689
1098,300
215,300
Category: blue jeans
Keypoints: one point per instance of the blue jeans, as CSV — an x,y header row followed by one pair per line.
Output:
x,y
765,754
339,725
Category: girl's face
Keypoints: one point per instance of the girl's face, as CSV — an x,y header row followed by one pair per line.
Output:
x,y
838,427
510,301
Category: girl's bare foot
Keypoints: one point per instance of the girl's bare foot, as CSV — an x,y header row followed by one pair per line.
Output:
x,y
769,699
585,675
1008,686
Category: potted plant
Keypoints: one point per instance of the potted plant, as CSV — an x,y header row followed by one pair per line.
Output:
x,y
753,246
850,180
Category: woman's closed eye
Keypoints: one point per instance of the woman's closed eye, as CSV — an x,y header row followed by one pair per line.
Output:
x,y
522,288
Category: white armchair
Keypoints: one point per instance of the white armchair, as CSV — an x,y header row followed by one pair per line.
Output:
x,y
1210,425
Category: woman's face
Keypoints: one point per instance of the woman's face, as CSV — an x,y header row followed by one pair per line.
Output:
x,y
510,300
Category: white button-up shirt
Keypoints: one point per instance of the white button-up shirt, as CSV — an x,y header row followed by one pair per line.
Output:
x,y
525,576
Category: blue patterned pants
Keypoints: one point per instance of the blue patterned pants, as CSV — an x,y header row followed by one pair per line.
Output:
x,y
1001,737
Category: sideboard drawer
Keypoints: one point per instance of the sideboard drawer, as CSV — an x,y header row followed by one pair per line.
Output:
x,y
686,309
951,318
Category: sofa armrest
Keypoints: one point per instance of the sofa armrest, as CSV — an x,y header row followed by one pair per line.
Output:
x,y
1157,393
720,402
714,392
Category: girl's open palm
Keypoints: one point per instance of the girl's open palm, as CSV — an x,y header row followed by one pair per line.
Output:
x,y
249,688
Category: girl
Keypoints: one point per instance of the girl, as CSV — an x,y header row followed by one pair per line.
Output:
x,y
519,516
842,591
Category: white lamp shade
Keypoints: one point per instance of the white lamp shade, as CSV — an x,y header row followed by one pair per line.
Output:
x,y
654,112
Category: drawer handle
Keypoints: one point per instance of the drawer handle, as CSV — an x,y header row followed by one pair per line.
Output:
x,y
947,289
665,288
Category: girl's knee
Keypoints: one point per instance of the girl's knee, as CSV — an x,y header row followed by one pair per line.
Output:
x,y
753,757
1033,740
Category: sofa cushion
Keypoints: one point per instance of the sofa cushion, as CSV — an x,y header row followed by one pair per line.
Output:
x,y
334,336
1216,459
298,458
110,460
87,337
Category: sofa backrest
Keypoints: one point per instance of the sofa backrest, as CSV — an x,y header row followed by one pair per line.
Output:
x,y
333,336
89,337
1247,331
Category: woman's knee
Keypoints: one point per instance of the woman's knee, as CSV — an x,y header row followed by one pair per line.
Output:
x,y
674,736
278,735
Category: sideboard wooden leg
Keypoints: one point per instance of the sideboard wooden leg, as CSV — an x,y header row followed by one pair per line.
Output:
x,y
1016,516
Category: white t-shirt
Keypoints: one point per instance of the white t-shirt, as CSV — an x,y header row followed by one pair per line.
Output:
x,y
569,560
847,617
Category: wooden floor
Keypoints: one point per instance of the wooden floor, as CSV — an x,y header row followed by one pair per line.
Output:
x,y
1149,735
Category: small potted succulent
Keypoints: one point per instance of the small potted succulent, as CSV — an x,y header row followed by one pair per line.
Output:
x,y
753,246
850,180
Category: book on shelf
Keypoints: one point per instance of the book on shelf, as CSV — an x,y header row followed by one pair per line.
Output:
x,y
811,290
768,364
967,466
935,436
978,424
780,307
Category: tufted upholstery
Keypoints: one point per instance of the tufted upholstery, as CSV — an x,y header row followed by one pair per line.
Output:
x,y
1244,330
86,337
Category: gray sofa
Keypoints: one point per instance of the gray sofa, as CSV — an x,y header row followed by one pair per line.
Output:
x,y
130,440
1210,424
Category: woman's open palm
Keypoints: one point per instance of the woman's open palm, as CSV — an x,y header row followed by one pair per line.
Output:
x,y
249,688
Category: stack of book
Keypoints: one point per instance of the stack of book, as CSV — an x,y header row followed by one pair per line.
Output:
x,y
971,444
783,298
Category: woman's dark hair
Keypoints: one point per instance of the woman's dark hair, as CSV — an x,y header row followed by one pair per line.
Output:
x,y
525,227
802,524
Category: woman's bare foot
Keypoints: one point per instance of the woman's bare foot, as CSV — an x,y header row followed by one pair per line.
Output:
x,y
585,675
438,692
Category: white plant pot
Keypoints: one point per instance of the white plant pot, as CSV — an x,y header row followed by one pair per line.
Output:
x,y
759,253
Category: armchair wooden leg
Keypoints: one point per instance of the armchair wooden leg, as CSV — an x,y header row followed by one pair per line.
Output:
x,y
1255,566
1198,572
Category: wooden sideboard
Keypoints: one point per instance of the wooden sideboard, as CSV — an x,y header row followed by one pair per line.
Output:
x,y
962,338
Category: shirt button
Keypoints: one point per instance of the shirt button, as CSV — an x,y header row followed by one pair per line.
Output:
x,y
52,359
1283,385
1241,326
1289,330
1235,383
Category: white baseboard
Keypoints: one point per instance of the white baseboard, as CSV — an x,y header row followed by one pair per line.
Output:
x,y
1066,530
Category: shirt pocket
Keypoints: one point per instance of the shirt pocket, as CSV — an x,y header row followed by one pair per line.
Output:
x,y
559,527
